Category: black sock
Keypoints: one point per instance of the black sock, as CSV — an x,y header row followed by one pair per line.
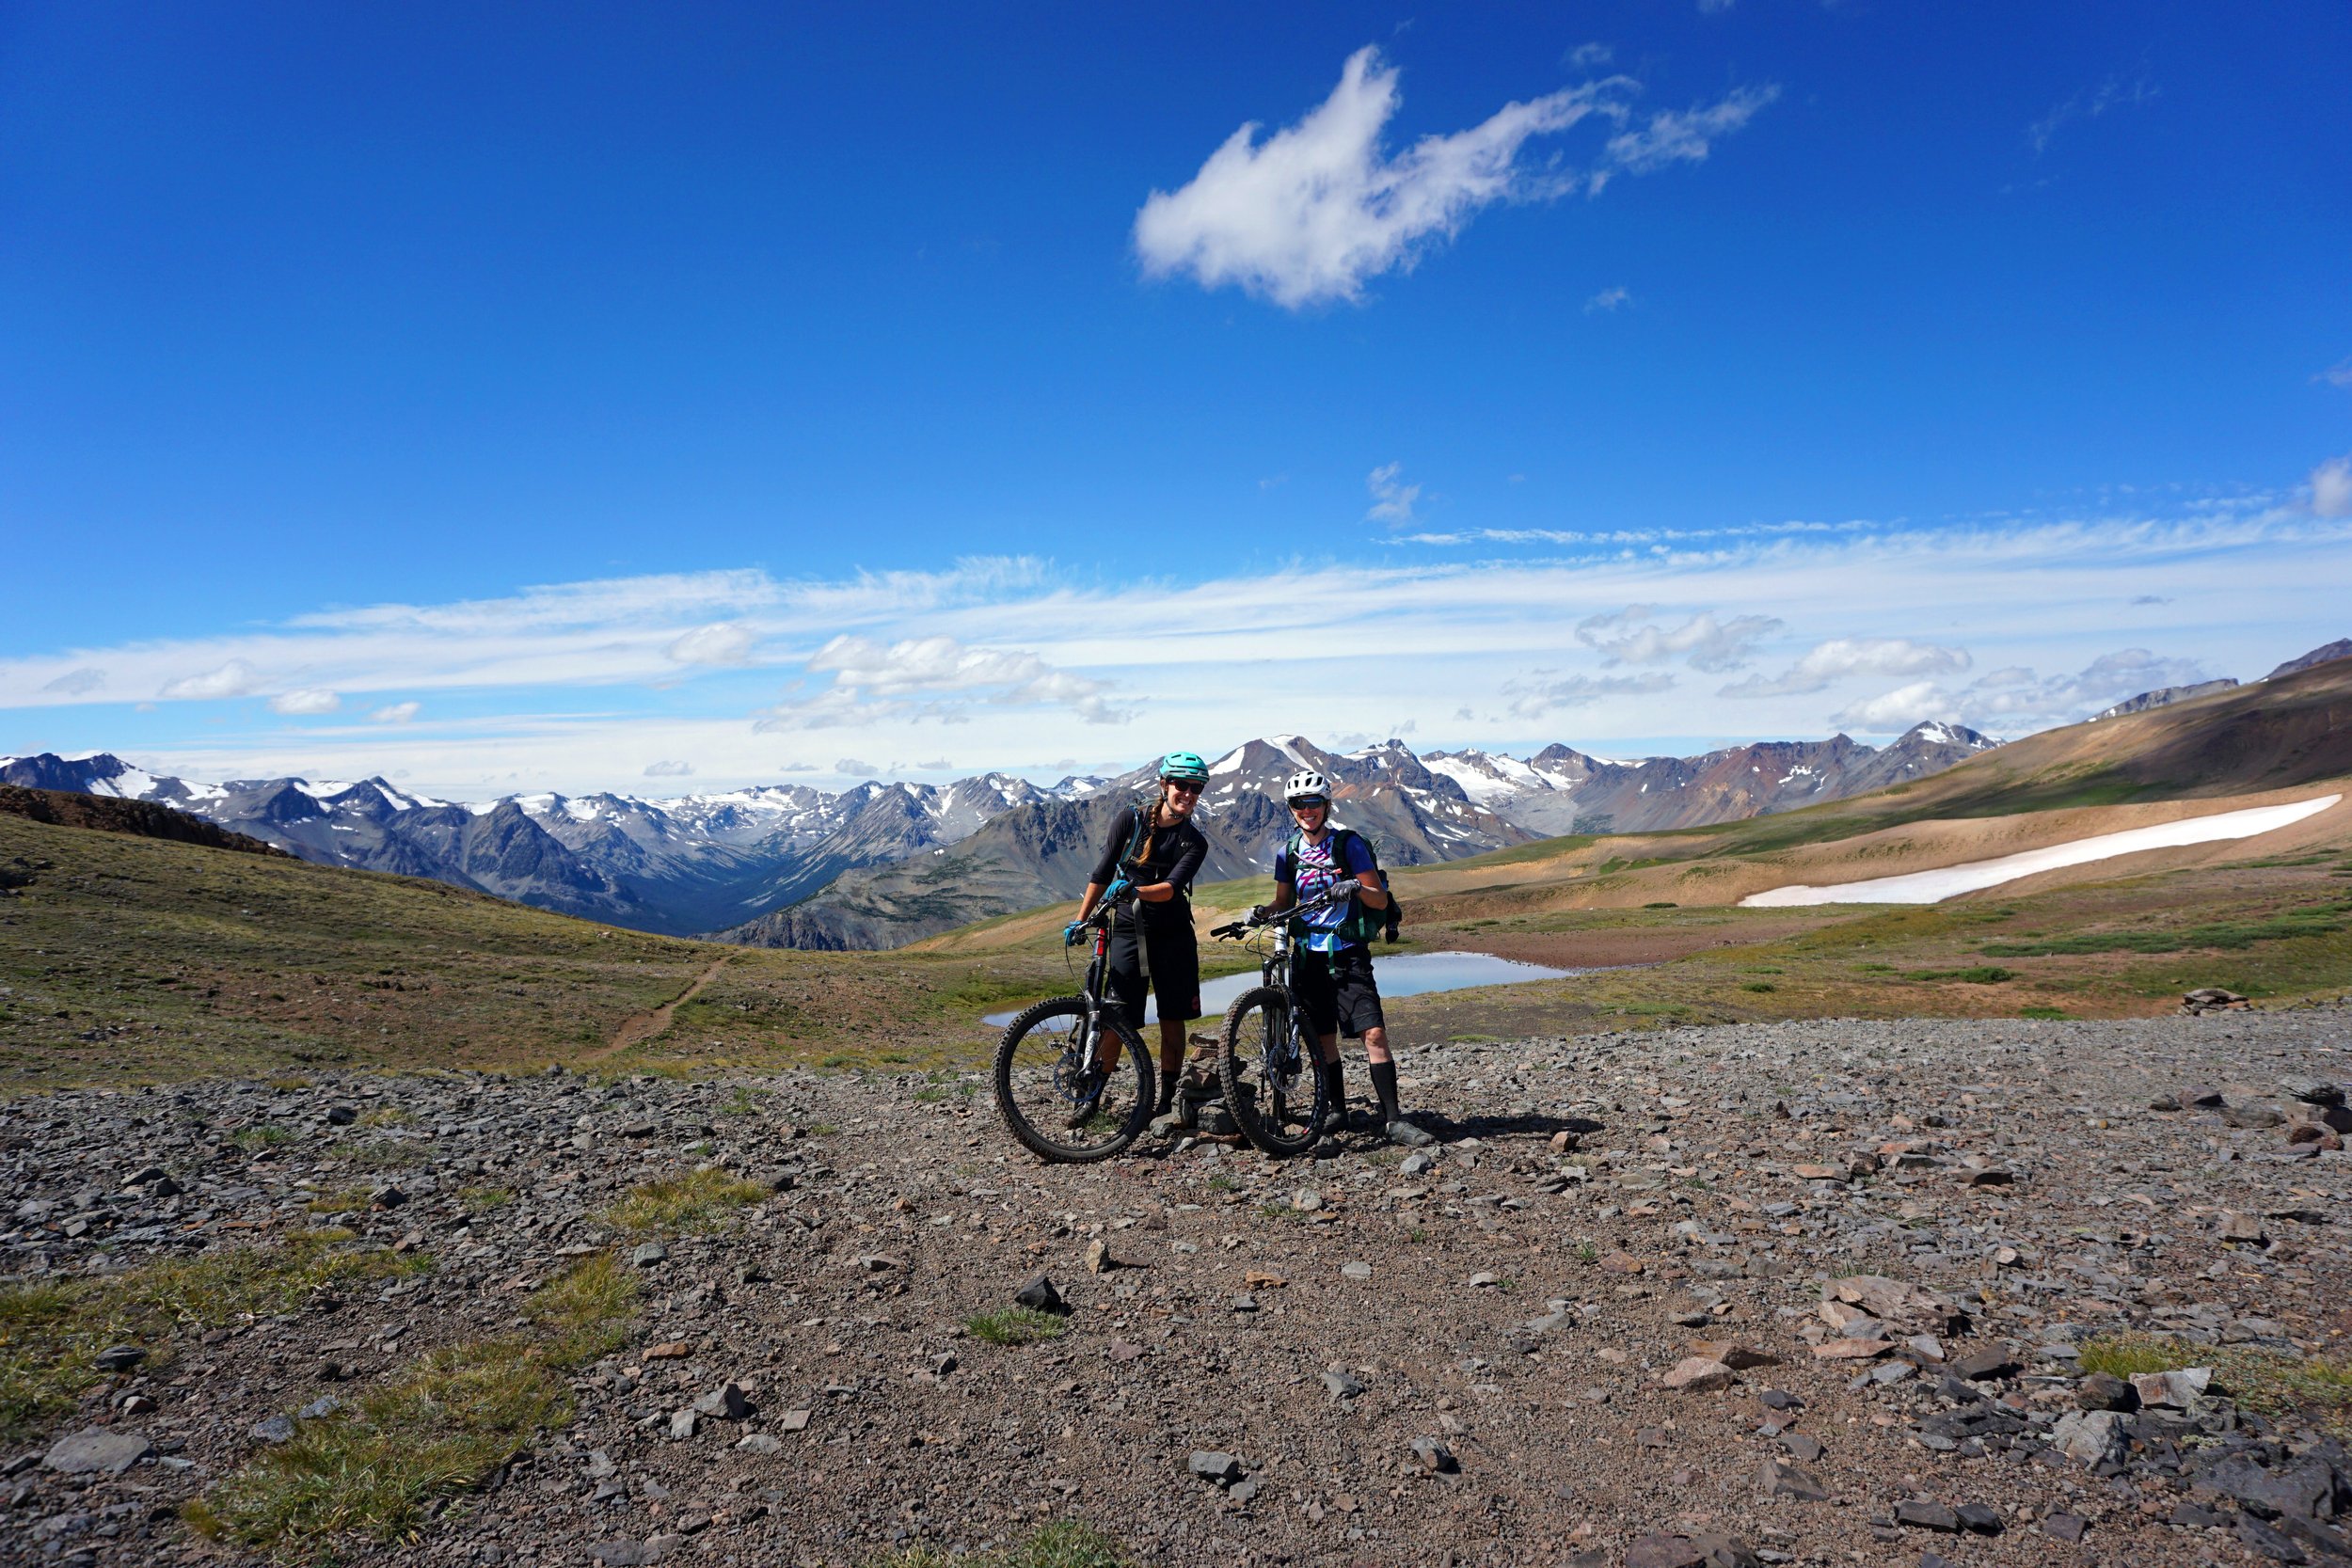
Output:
x,y
1169,1077
1384,1084
1334,1087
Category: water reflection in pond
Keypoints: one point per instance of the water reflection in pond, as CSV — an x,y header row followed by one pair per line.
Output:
x,y
1404,975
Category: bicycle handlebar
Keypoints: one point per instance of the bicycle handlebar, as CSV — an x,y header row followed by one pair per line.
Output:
x,y
1235,930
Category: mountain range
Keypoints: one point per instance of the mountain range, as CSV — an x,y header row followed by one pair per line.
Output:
x,y
878,865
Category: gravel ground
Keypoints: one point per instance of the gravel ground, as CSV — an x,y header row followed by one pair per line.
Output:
x,y
1807,1292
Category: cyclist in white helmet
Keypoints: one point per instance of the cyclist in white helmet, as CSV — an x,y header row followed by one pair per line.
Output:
x,y
1332,972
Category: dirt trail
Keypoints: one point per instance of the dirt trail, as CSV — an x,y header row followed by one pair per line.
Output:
x,y
644,1026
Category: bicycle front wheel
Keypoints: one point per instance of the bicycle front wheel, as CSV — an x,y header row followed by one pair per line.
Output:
x,y
1267,1066
1070,1091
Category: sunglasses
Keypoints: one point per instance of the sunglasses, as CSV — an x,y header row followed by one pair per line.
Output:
x,y
1311,805
1183,788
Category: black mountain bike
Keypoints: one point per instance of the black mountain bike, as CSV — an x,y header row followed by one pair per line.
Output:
x,y
1073,1081
1266,1059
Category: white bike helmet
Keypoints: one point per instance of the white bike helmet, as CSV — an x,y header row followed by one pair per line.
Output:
x,y
1306,785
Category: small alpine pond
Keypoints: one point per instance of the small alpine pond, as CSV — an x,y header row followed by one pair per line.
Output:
x,y
1404,975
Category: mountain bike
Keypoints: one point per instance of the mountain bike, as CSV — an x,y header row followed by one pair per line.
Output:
x,y
1060,1086
1266,1058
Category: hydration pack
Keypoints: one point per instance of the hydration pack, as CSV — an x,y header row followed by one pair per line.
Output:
x,y
1364,923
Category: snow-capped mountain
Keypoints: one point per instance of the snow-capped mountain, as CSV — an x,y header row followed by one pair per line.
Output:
x,y
866,865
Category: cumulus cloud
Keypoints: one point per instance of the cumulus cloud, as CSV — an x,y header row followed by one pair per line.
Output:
x,y
669,770
1316,208
77,683
1591,57
1609,299
396,713
722,643
1895,711
1627,637
1312,210
232,679
2337,375
1843,656
856,768
1534,699
310,699
2331,488
1393,501
933,677
2016,694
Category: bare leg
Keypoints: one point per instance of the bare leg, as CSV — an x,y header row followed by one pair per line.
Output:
x,y
1377,1044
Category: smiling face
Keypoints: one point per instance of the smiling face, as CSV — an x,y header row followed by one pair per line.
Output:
x,y
1177,799
1311,815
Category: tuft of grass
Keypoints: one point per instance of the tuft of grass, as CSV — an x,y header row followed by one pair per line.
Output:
x,y
584,1312
50,1332
381,1155
1759,986
388,1115
1014,1326
2268,1381
744,1102
480,1201
450,1419
1063,1543
253,1140
702,1201
1979,975
351,1200
2040,1012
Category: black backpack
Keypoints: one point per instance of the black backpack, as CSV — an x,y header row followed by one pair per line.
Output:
x,y
1364,923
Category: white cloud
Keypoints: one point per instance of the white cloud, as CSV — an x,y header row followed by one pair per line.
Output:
x,y
1609,299
1626,637
308,699
2337,375
669,770
77,683
2113,93
1591,57
2014,696
2331,488
1312,212
852,767
933,677
232,679
1680,135
1895,711
722,643
1534,699
1391,500
1842,658
397,713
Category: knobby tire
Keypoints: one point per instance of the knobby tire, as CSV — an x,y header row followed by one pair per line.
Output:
x,y
1282,1128
1052,1143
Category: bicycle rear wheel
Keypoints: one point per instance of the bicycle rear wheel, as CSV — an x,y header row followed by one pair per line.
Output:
x,y
1069,1096
1268,1068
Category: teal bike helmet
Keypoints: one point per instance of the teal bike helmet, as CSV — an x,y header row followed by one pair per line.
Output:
x,y
1183,767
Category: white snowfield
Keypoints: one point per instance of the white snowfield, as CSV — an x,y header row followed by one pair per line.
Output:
x,y
1930,887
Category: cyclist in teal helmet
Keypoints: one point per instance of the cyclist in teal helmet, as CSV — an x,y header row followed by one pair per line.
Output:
x,y
1154,849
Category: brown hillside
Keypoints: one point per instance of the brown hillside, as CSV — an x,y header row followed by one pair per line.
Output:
x,y
143,818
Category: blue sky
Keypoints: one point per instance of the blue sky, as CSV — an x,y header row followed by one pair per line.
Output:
x,y
532,400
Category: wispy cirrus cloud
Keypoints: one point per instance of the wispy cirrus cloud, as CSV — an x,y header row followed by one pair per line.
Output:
x,y
1393,499
2015,695
2119,91
1311,212
2331,488
473,700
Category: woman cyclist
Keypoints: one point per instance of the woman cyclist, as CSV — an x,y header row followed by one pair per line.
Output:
x,y
1155,849
1330,973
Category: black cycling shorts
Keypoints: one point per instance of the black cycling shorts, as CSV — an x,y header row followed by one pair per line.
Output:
x,y
1338,990
1175,958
